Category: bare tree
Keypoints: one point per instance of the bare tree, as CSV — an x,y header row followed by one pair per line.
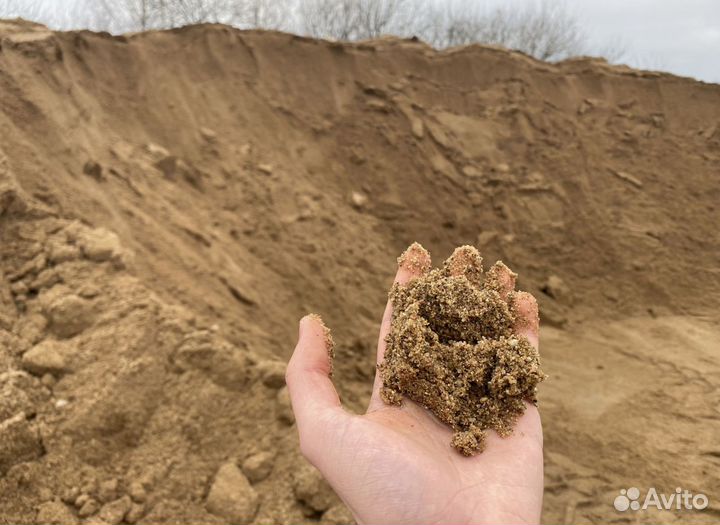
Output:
x,y
129,15
265,14
383,17
334,19
182,12
35,10
140,15
546,30
451,26
356,19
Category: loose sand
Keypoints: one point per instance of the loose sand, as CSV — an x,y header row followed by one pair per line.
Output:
x,y
453,349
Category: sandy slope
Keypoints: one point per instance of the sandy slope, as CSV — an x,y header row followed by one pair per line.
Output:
x,y
171,203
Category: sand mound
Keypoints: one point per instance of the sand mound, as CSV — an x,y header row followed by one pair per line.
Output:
x,y
452,348
171,203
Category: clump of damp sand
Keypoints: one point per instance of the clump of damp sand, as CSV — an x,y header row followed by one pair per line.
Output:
x,y
452,348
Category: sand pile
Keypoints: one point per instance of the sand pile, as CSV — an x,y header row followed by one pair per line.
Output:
x,y
452,348
171,203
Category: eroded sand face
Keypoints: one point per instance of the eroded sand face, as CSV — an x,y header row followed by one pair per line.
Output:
x,y
171,203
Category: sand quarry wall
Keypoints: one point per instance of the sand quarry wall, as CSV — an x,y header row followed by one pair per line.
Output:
x,y
172,202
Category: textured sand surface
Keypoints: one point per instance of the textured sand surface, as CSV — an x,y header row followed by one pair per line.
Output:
x,y
453,348
172,203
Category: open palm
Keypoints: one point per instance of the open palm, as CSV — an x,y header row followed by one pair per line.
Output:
x,y
395,464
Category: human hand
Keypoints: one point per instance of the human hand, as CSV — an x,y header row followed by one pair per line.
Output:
x,y
395,464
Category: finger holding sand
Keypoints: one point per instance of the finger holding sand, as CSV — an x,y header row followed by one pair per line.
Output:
x,y
527,318
502,279
312,393
466,261
527,322
414,262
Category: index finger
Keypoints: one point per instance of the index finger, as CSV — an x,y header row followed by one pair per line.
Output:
x,y
524,305
413,263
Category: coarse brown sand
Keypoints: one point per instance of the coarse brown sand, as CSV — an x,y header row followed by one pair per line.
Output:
x,y
453,349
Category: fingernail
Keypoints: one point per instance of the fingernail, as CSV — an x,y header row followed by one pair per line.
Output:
x,y
307,322
502,269
527,307
416,259
301,326
465,260
501,278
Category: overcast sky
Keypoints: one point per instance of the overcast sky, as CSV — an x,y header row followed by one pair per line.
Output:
x,y
680,36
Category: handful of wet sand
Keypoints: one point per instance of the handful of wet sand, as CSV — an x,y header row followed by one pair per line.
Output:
x,y
452,348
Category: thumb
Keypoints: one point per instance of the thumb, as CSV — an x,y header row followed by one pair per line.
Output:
x,y
312,394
